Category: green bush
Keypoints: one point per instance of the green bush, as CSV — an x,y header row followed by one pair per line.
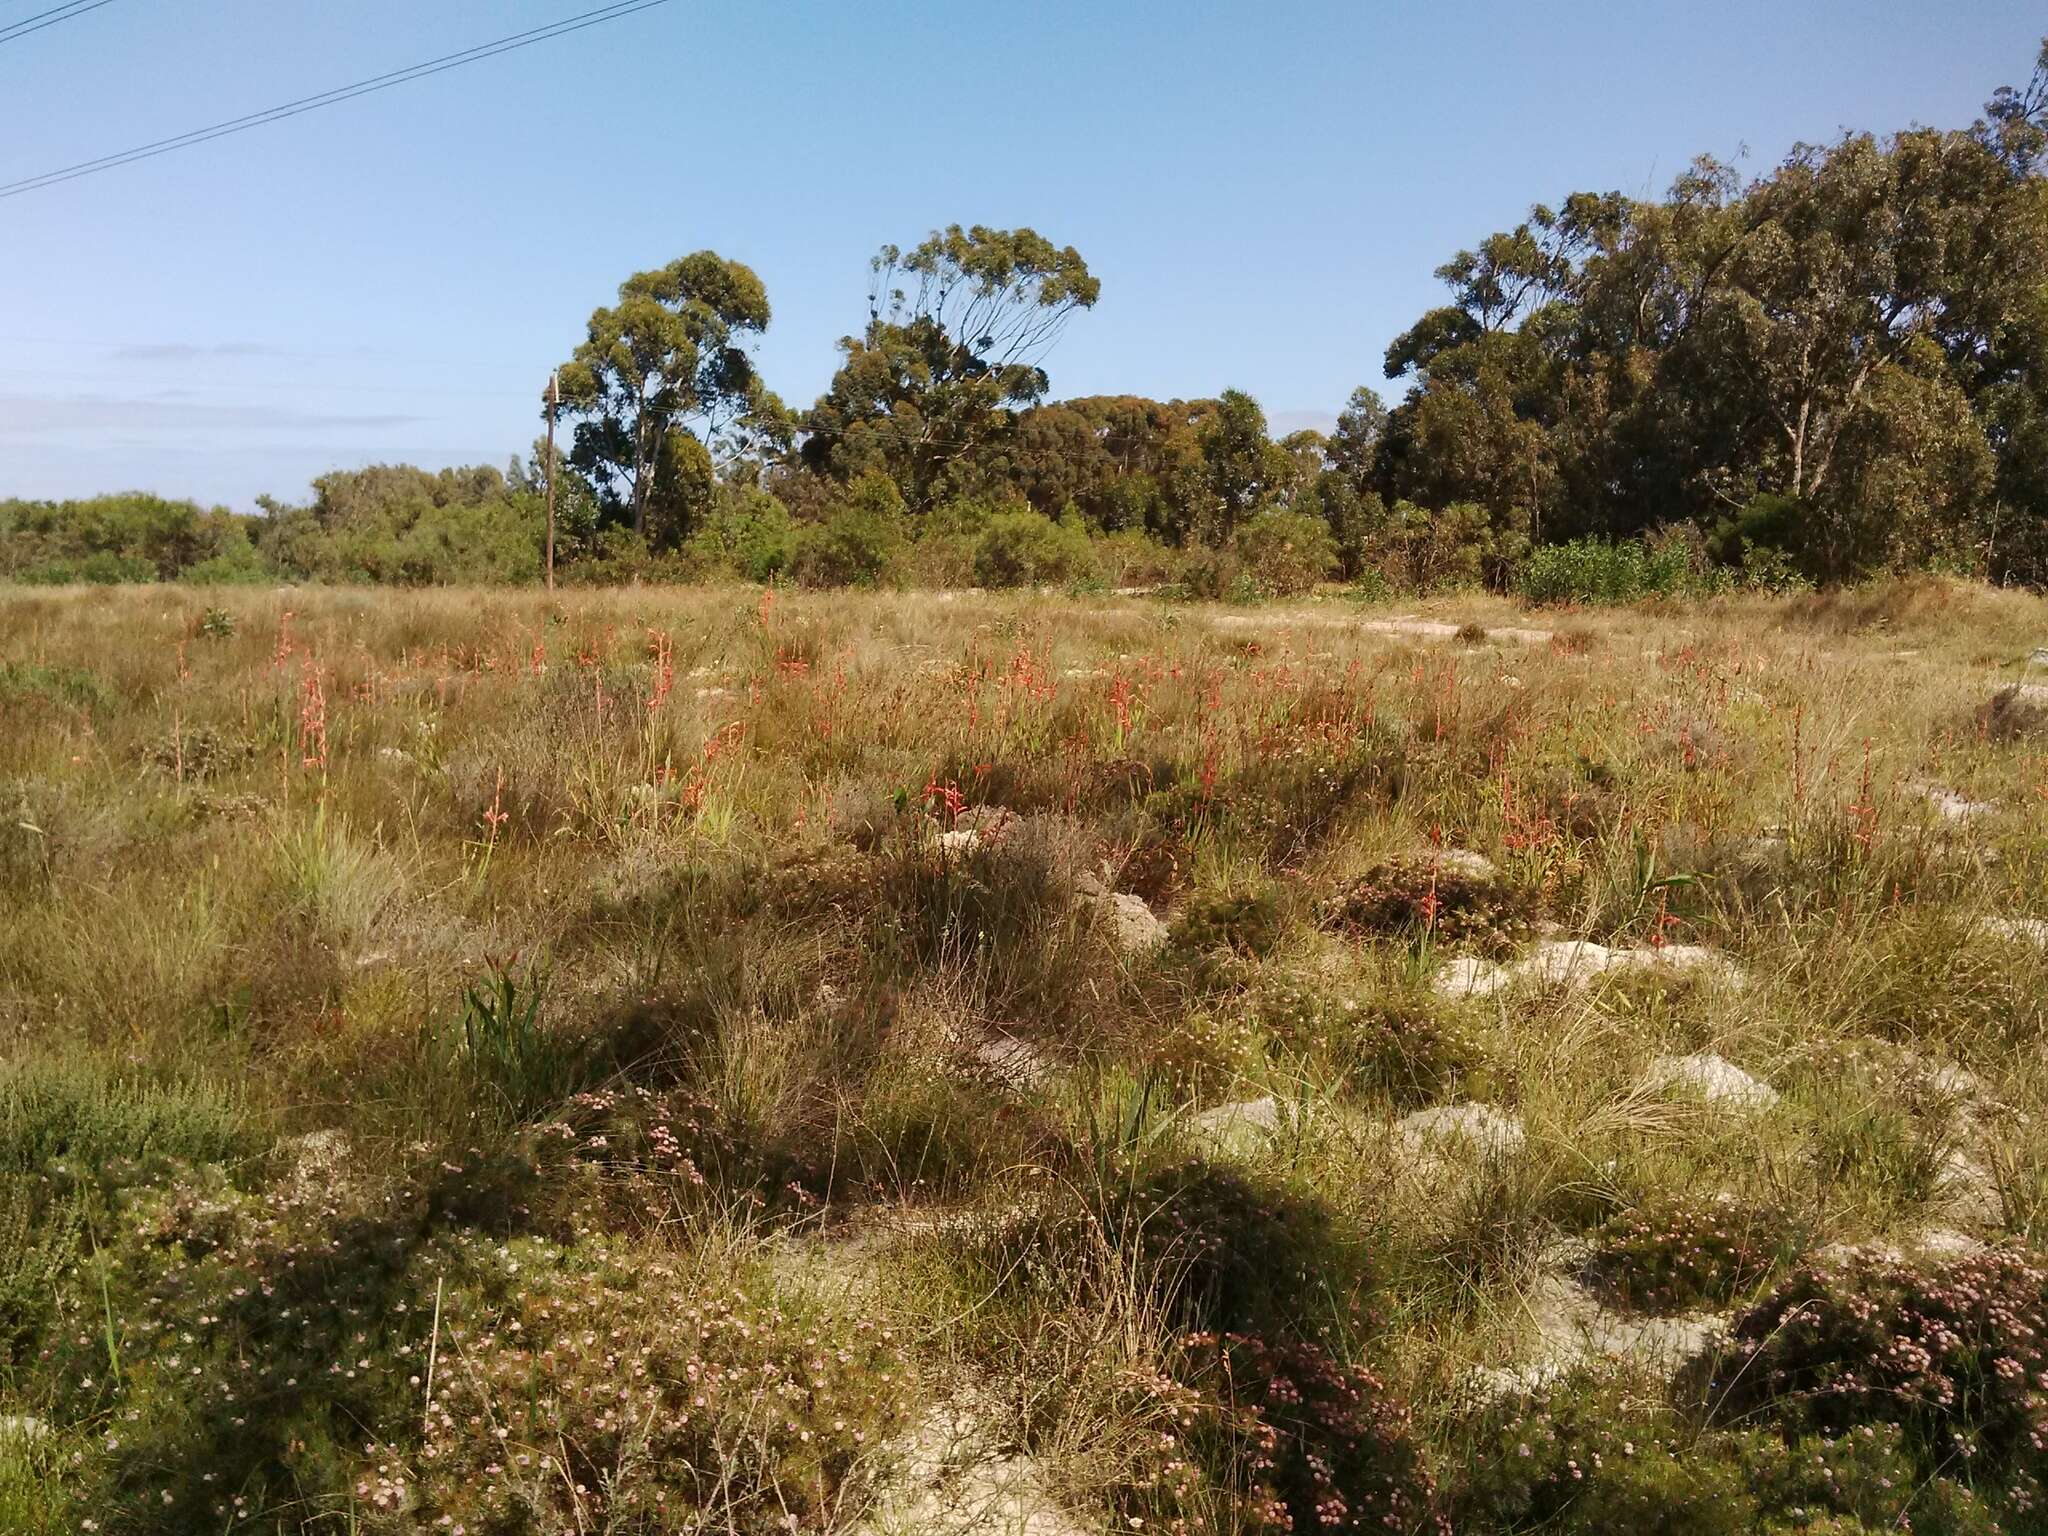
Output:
x,y
1422,897
1130,557
1027,549
71,1138
747,533
1226,1252
1285,553
1217,575
1239,922
227,571
1585,1459
109,539
1681,1251
1591,1455
95,1124
1416,1050
858,543
1595,571
1419,549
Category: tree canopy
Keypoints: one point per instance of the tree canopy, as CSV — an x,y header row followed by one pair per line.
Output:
x,y
958,330
665,385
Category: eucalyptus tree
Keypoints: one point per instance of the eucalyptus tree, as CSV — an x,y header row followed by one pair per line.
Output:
x,y
665,387
958,331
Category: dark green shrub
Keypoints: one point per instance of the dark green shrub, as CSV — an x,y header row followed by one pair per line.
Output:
x,y
1410,1049
93,1124
1592,1456
856,545
122,538
1585,1459
1227,1252
1594,571
1768,539
42,1231
1025,549
1284,554
1217,575
1242,923
746,533
1132,558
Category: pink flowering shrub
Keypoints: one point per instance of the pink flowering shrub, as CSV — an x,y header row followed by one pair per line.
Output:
x,y
1294,1438
1685,1251
609,1397
645,1156
1955,1355
243,1365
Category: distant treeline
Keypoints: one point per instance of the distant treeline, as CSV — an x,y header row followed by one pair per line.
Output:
x,y
1835,369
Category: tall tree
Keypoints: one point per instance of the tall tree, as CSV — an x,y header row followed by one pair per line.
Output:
x,y
664,385
1850,335
957,334
1234,454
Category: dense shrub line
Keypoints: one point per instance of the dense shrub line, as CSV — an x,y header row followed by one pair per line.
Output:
x,y
396,525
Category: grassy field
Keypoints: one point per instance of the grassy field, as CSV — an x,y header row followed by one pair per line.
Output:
x,y
710,1060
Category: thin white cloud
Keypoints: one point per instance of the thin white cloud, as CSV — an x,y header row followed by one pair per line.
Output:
x,y
38,416
188,352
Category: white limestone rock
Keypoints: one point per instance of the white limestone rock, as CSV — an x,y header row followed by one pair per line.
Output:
x,y
1448,1127
1952,807
1712,1078
1139,932
1240,1126
1578,963
2014,930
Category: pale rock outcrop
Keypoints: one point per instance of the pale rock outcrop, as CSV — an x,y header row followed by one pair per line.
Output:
x,y
1138,931
2014,930
1237,1127
959,1478
1952,807
1473,1127
1713,1078
1574,1327
1012,1061
1578,963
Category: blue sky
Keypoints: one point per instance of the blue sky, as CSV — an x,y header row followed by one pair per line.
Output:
x,y
1264,189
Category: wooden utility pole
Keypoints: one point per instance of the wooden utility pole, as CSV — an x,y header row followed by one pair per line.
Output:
x,y
554,393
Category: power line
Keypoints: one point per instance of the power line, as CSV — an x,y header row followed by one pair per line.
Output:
x,y
339,94
11,30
